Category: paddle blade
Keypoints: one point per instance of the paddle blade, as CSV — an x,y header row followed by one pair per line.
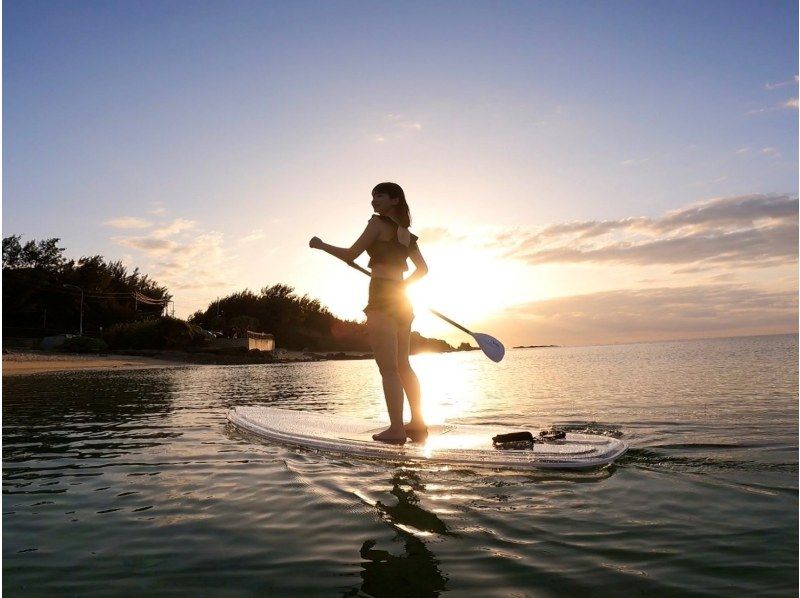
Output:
x,y
492,347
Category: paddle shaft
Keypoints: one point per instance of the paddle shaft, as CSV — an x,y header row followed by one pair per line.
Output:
x,y
433,311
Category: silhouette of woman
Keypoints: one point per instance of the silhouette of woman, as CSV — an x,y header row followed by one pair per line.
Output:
x,y
388,242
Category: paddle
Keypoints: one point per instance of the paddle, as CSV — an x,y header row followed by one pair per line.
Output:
x,y
491,347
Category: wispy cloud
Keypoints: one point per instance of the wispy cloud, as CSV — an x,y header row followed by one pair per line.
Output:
x,y
172,228
752,230
634,161
653,314
157,208
128,222
771,86
402,122
182,256
397,126
201,264
253,236
790,104
149,245
438,234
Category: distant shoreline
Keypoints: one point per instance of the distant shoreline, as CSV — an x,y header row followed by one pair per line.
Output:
x,y
23,362
536,346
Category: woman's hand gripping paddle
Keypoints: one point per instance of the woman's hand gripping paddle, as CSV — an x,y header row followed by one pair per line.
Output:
x,y
491,347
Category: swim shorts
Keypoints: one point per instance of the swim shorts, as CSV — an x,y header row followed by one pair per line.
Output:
x,y
389,296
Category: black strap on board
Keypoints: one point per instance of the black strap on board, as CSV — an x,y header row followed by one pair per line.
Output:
x,y
525,440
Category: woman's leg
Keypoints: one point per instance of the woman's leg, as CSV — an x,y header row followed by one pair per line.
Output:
x,y
409,379
382,331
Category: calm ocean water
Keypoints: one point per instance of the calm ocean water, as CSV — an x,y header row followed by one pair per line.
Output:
x,y
126,483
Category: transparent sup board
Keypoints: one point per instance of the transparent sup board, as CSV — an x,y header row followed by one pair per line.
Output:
x,y
447,444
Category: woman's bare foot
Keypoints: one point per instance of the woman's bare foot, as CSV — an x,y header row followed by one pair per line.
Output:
x,y
416,431
391,436
416,426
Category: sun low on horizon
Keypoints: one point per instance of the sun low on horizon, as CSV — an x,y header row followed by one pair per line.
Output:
x,y
464,282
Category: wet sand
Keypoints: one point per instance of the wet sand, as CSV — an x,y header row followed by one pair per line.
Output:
x,y
15,364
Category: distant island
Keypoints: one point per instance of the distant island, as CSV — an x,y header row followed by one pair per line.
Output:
x,y
536,346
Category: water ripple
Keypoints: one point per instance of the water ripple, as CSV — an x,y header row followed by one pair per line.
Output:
x,y
131,482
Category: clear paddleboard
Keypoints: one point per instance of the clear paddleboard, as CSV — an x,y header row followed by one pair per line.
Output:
x,y
446,444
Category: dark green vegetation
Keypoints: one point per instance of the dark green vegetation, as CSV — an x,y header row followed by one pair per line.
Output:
x,y
296,322
156,333
42,291
83,344
42,297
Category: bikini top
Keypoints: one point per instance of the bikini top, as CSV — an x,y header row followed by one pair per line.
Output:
x,y
392,252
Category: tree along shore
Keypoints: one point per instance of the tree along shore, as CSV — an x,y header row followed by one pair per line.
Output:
x,y
46,294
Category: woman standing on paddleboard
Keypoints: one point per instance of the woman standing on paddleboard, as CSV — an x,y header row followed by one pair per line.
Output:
x,y
388,242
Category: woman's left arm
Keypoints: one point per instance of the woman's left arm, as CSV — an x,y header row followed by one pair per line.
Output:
x,y
419,261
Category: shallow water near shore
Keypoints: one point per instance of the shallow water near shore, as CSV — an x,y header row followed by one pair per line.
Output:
x,y
124,483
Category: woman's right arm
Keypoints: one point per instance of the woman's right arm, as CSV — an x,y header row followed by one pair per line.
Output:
x,y
349,254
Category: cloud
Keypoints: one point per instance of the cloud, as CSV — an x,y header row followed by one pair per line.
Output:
x,y
438,234
176,226
253,236
771,86
157,208
634,161
791,103
183,257
742,210
401,122
586,229
651,314
128,222
149,245
752,230
397,126
771,151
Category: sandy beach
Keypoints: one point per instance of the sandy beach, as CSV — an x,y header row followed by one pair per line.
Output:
x,y
33,362
15,364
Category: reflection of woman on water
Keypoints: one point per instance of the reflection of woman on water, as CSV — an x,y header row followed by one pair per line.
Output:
x,y
389,244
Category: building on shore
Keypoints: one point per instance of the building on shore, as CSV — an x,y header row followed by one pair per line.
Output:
x,y
249,340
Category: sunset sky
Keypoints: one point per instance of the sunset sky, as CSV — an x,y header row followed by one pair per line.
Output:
x,y
578,172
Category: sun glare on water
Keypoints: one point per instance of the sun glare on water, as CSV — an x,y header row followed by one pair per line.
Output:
x,y
445,394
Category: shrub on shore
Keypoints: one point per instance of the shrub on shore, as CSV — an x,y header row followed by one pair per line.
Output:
x,y
83,344
160,333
